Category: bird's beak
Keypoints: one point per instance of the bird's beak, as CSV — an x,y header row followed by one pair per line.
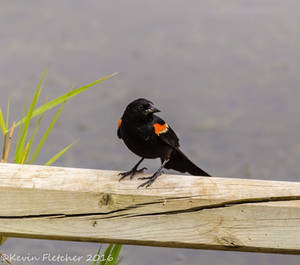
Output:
x,y
152,110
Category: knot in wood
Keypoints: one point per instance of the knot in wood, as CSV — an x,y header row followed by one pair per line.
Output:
x,y
106,199
229,241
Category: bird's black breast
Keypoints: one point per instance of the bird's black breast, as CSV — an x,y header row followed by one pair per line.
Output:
x,y
142,140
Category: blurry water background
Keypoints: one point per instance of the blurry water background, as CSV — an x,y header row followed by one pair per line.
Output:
x,y
224,73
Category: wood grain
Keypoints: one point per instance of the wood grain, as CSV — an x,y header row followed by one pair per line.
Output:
x,y
176,211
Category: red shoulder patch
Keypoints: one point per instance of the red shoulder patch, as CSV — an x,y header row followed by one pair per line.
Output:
x,y
119,123
160,128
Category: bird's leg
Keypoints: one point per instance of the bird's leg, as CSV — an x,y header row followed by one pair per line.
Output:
x,y
133,171
154,176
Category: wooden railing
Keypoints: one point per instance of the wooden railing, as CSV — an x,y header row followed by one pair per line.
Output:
x,y
176,211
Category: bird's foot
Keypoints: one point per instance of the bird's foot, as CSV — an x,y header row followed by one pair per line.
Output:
x,y
131,173
150,180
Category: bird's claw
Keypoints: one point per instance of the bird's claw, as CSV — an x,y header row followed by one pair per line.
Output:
x,y
124,174
141,170
147,183
131,173
150,180
154,176
143,178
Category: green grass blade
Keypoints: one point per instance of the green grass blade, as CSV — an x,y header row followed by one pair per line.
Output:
x,y
114,255
7,111
106,254
33,135
59,154
4,130
57,101
20,129
98,254
28,118
46,134
2,123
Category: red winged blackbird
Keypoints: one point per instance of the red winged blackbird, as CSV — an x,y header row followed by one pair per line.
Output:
x,y
148,136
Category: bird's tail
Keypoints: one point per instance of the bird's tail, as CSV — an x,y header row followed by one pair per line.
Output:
x,y
181,163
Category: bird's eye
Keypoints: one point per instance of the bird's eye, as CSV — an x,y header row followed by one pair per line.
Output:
x,y
143,107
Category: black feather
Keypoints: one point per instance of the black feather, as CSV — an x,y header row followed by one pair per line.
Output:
x,y
148,136
180,162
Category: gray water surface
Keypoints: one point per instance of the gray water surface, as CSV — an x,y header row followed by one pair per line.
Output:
x,y
224,73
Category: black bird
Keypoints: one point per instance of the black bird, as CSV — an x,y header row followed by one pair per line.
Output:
x,y
148,136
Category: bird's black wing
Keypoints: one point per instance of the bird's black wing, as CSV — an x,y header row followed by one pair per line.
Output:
x,y
165,132
179,161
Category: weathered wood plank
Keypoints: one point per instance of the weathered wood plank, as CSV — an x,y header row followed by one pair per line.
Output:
x,y
176,211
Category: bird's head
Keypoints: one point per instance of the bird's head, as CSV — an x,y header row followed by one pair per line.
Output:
x,y
140,109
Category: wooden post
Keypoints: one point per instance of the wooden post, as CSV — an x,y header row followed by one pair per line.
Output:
x,y
176,211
